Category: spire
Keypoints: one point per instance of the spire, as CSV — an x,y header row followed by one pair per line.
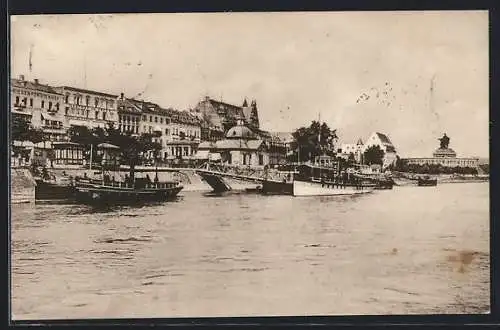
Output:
x,y
245,103
360,142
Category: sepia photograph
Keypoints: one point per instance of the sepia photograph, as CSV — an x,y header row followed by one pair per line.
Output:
x,y
168,165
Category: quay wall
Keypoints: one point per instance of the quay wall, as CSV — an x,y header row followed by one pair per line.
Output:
x,y
22,186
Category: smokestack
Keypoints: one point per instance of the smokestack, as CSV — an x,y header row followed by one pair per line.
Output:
x,y
21,77
121,96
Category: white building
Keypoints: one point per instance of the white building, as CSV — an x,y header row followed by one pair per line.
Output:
x,y
383,141
356,149
40,105
89,108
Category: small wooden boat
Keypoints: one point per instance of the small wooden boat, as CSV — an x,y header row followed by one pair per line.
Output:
x,y
271,187
52,188
426,181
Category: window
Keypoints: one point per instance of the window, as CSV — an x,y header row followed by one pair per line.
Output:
x,y
87,100
50,105
144,117
66,98
43,104
25,101
261,160
17,100
161,120
103,116
31,102
57,106
166,131
150,119
66,110
78,100
96,114
156,119
96,101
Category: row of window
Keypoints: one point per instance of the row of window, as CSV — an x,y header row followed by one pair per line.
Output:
x,y
86,113
36,94
24,101
78,99
443,162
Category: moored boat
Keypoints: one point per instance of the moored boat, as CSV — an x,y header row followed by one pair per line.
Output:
x,y
51,188
139,190
319,181
427,181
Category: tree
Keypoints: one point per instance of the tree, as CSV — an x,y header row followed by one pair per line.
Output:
x,y
19,128
315,140
374,155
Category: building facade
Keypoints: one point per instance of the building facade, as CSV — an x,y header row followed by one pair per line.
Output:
x,y
356,149
89,108
383,141
218,117
445,157
41,106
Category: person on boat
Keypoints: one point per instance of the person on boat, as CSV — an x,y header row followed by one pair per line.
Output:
x,y
85,176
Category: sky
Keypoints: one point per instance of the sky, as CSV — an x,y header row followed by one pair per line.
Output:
x,y
359,72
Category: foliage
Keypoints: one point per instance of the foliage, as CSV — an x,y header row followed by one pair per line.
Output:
x,y
315,140
22,130
374,155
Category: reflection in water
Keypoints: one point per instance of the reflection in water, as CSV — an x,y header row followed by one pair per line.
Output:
x,y
409,250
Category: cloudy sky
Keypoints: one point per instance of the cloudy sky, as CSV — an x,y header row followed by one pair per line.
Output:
x,y
360,71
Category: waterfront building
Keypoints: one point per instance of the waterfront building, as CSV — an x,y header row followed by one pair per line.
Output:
x,y
383,141
83,107
129,115
40,105
68,154
356,149
241,147
444,156
218,117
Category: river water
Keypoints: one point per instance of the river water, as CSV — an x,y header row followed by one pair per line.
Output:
x,y
410,250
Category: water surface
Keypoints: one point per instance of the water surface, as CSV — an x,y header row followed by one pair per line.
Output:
x,y
412,250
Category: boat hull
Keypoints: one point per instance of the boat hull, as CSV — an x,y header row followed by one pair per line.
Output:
x,y
96,194
52,191
277,188
307,188
427,183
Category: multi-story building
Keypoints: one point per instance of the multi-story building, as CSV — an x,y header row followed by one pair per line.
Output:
x,y
39,105
129,115
89,108
178,132
218,117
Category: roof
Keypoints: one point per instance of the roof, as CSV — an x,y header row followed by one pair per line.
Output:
x,y
88,91
32,85
238,144
240,132
206,145
385,140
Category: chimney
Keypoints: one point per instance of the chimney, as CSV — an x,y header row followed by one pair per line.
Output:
x,y
121,96
21,77
207,98
36,81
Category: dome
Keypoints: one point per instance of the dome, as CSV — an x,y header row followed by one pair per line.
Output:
x,y
240,132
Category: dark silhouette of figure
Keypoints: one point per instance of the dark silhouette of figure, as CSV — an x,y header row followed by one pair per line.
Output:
x,y
444,142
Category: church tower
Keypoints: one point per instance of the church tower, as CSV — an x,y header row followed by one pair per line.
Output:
x,y
254,115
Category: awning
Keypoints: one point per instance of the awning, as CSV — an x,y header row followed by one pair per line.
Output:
x,y
202,154
44,145
48,116
107,146
62,145
27,144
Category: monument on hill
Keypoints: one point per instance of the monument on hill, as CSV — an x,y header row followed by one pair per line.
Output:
x,y
444,150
